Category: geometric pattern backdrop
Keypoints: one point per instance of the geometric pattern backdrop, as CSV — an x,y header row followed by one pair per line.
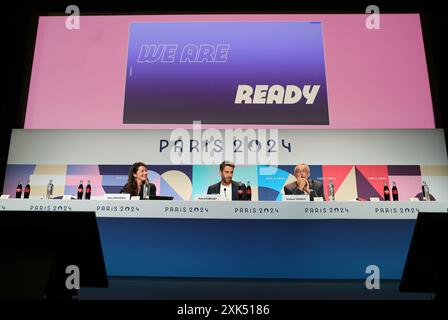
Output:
x,y
183,182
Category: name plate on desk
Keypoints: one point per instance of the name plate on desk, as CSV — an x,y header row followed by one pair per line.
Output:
x,y
207,197
117,196
296,197
4,196
37,197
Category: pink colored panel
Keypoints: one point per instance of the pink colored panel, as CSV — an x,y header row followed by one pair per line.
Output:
x,y
338,173
408,186
375,78
370,180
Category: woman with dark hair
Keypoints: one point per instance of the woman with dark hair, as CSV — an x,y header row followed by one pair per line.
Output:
x,y
138,176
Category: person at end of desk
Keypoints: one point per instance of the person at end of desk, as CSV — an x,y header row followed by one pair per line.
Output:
x,y
137,177
227,188
303,185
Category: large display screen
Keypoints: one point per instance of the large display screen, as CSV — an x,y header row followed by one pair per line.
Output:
x,y
281,71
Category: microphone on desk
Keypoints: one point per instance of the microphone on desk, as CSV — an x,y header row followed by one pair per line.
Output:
x,y
146,190
311,186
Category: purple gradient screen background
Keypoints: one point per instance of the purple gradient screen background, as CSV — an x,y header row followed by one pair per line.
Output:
x,y
375,78
281,53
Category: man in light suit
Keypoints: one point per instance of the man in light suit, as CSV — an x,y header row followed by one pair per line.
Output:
x,y
227,188
303,185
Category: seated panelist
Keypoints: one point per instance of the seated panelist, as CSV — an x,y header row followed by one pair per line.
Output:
x,y
227,188
303,185
137,177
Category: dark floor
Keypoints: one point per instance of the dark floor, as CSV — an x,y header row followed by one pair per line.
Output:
x,y
134,288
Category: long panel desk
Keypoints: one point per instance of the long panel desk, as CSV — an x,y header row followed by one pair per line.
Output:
x,y
241,239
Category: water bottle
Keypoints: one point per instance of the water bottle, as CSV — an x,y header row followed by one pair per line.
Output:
x,y
26,194
80,190
146,190
19,190
331,191
50,187
249,191
425,189
394,191
88,190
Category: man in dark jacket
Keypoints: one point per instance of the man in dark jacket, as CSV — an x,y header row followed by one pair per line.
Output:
x,y
227,188
303,185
